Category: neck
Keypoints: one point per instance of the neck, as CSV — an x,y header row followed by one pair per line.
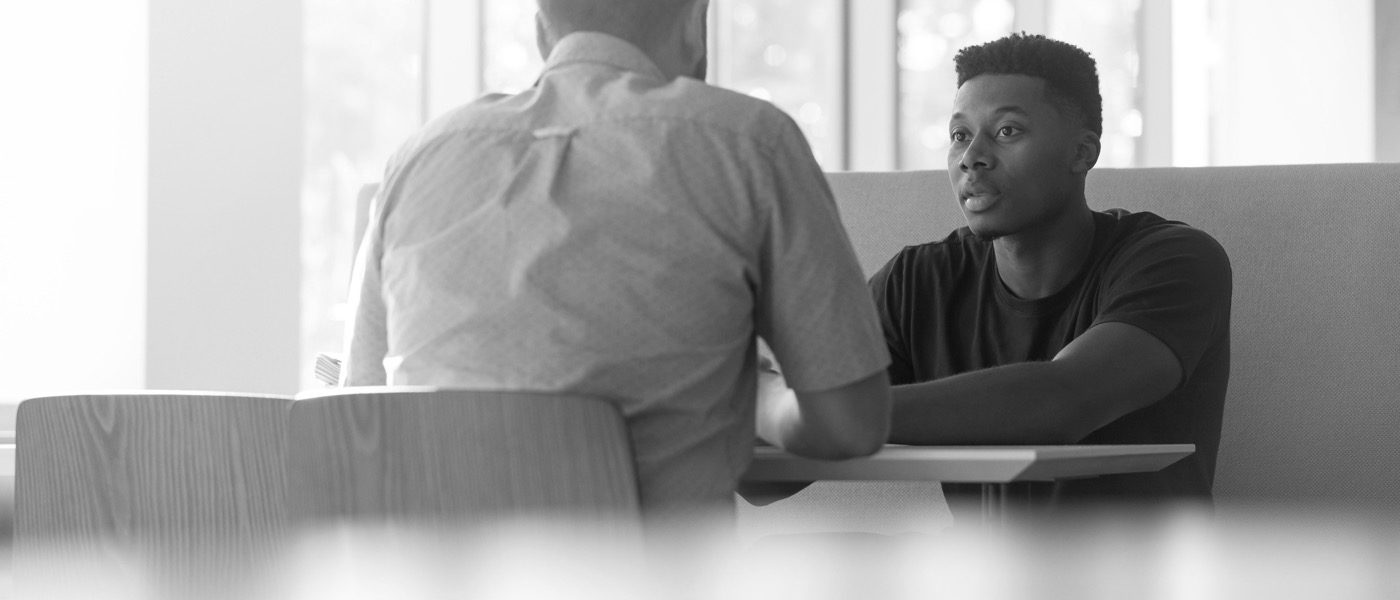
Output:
x,y
677,56
1036,264
673,59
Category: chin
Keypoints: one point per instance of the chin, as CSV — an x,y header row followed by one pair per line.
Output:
x,y
988,235
983,230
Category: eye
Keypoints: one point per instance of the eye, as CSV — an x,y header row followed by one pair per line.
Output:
x,y
959,135
1008,131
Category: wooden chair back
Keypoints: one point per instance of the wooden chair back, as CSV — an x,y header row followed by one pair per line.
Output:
x,y
178,486
457,456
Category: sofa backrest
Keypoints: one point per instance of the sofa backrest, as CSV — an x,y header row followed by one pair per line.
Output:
x,y
1313,408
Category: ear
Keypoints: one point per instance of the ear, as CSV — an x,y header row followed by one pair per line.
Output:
x,y
1086,151
542,39
696,37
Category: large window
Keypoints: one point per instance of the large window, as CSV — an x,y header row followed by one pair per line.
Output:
x,y
511,60
870,82
788,52
932,31
370,68
363,94
1109,31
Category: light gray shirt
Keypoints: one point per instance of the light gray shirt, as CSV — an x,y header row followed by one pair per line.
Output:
x,y
614,233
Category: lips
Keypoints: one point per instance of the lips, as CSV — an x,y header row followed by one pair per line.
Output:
x,y
977,197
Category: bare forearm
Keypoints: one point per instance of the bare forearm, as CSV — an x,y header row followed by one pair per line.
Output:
x,y
1107,372
1026,403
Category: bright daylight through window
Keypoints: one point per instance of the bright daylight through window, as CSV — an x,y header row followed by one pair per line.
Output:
x,y
1185,83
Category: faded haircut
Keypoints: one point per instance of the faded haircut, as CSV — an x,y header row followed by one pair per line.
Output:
x,y
637,21
1070,74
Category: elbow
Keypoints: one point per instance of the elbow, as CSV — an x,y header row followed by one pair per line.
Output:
x,y
858,435
858,446
869,446
1073,422
1067,426
876,436
842,447
871,431
1071,409
848,422
842,440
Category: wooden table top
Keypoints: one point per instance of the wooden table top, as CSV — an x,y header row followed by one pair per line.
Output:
x,y
970,464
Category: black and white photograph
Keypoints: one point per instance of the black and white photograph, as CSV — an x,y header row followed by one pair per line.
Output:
x,y
700,299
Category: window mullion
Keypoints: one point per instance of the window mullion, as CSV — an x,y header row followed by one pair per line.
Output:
x,y
871,111
452,54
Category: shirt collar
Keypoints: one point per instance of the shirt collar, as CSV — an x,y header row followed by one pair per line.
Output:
x,y
594,47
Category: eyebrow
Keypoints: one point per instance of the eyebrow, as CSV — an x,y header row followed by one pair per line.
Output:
x,y
1001,110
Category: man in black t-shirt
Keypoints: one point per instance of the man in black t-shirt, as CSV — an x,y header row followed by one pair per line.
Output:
x,y
1042,321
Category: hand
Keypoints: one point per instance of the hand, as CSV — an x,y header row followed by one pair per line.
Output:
x,y
773,397
766,362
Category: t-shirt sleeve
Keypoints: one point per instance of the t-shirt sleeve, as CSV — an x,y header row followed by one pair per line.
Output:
x,y
813,308
1174,283
888,288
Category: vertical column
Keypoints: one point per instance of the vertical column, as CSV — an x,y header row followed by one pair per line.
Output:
x,y
73,166
1195,58
1155,73
872,85
452,55
223,211
1387,23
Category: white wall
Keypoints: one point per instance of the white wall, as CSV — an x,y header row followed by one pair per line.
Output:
x,y
1296,82
225,173
150,164
72,195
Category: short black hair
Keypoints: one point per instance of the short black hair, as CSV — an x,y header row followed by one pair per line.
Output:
x,y
642,22
1070,74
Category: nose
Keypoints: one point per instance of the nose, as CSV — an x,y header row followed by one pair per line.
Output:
x,y
976,156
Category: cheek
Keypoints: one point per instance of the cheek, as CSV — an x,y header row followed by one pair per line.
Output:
x,y
1050,161
1063,156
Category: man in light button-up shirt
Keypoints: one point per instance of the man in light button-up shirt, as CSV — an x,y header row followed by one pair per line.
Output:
x,y
624,230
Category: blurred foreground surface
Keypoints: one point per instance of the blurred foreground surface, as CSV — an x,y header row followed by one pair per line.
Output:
x,y
1278,554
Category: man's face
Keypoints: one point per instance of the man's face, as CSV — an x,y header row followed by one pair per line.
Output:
x,y
1012,155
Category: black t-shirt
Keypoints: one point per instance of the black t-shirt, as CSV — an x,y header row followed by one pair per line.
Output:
x,y
946,311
